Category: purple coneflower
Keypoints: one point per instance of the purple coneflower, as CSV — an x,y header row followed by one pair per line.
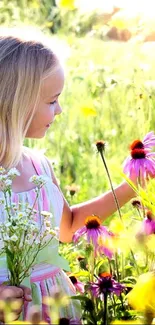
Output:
x,y
93,230
148,224
106,285
77,284
69,321
141,159
149,140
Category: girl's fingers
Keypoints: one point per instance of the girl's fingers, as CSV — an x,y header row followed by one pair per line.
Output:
x,y
26,293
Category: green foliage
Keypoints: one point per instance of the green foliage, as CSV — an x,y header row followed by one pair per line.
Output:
x,y
27,11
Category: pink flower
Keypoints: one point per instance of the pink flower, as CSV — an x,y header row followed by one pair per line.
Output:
x,y
93,230
141,162
148,224
149,140
77,284
105,284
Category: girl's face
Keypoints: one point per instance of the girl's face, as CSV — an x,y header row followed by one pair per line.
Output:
x,y
48,105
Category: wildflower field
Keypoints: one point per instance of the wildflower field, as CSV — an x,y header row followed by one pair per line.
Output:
x,y
108,95
108,113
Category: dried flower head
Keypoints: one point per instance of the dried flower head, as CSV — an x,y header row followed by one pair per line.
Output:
x,y
100,144
136,203
72,189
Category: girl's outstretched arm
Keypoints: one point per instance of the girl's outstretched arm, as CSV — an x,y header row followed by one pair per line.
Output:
x,y
104,205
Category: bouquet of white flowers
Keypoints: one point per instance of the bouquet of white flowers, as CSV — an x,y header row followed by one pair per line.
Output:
x,y
21,237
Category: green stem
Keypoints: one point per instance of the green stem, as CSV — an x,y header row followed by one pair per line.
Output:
x,y
132,254
6,206
117,267
92,265
139,214
114,305
122,273
91,276
140,183
105,309
110,267
113,191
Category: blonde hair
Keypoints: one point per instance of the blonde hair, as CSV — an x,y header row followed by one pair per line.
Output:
x,y
23,66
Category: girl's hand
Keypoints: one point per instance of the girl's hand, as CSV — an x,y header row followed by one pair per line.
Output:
x,y
12,293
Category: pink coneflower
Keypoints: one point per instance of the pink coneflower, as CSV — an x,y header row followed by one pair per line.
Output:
x,y
106,285
92,230
141,160
148,224
79,286
149,140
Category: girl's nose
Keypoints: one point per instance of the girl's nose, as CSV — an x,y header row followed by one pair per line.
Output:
x,y
58,109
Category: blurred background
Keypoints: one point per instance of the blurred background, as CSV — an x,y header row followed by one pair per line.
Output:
x,y
107,50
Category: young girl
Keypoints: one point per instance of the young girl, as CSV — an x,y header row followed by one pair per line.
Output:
x,y
31,81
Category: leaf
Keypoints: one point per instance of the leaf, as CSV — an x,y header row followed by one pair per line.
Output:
x,y
128,267
81,273
129,279
81,298
128,180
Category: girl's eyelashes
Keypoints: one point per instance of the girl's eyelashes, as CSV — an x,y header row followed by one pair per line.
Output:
x,y
52,103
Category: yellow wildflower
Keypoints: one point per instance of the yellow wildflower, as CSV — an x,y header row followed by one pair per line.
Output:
x,y
142,297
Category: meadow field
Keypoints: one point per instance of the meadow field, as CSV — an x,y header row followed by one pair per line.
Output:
x,y
109,95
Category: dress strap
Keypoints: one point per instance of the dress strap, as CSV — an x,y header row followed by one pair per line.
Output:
x,y
36,164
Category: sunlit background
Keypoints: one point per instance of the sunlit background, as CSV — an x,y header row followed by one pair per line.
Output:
x,y
143,7
107,50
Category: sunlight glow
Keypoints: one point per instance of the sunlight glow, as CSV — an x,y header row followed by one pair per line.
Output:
x,y
145,8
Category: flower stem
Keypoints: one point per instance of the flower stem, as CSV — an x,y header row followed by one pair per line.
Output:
x,y
136,266
105,309
117,266
92,265
91,275
140,182
109,177
122,273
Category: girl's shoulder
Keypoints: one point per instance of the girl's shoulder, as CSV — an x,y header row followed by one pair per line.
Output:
x,y
39,161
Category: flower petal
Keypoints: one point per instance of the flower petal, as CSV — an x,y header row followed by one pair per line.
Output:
x,y
80,232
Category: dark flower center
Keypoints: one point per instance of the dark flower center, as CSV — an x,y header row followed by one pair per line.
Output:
x,y
136,203
64,321
80,258
73,279
149,215
92,222
105,284
138,154
137,144
100,145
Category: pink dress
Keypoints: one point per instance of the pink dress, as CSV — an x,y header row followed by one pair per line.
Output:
x,y
47,277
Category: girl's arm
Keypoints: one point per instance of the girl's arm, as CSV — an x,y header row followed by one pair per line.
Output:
x,y
104,205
